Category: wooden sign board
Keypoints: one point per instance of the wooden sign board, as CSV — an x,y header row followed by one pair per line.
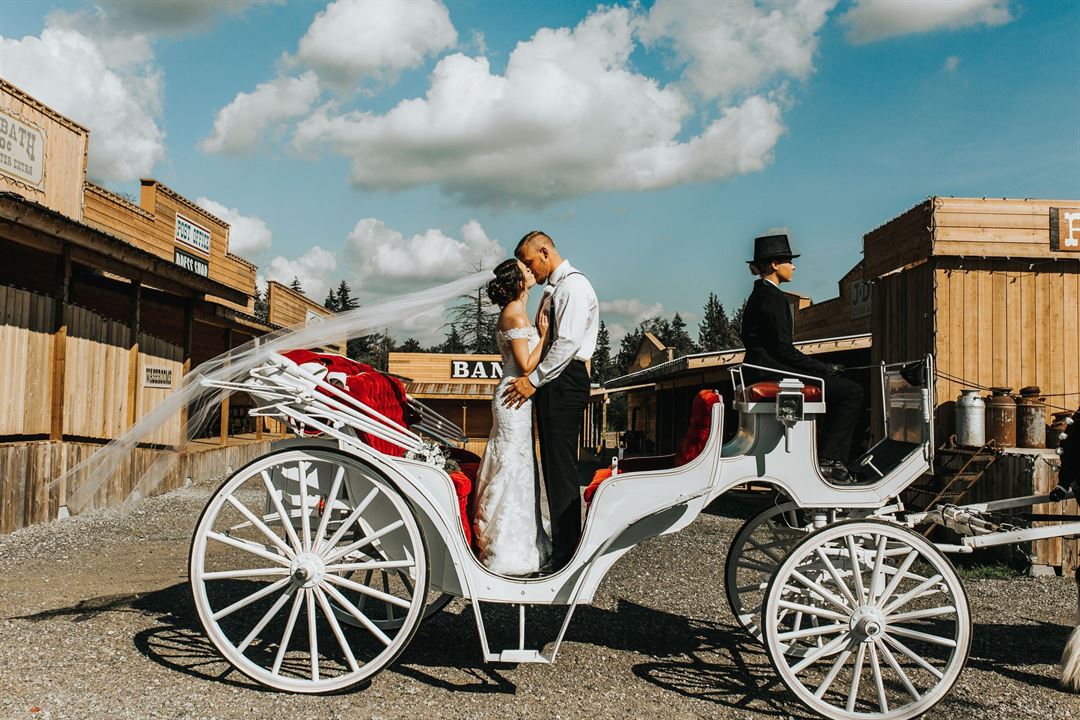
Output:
x,y
157,377
22,151
475,369
860,299
1065,229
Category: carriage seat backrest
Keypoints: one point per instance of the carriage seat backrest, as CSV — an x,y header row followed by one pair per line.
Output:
x,y
691,445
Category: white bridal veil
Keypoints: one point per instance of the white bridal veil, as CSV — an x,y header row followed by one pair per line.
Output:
x,y
92,475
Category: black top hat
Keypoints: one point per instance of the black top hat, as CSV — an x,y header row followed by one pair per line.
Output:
x,y
772,247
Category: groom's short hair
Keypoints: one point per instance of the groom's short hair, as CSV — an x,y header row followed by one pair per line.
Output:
x,y
531,237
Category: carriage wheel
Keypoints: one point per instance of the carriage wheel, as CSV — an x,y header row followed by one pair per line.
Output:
x,y
893,627
279,557
759,547
387,615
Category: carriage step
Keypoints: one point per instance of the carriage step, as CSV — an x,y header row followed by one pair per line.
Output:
x,y
521,656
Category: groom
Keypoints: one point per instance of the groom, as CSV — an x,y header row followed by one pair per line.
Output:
x,y
560,382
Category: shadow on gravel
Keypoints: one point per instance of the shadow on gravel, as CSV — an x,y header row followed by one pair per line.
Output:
x,y
1006,649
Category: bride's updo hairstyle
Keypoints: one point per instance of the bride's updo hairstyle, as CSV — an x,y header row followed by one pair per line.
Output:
x,y
508,283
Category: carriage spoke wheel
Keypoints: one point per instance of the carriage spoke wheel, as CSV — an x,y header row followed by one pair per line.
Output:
x,y
893,627
759,547
284,551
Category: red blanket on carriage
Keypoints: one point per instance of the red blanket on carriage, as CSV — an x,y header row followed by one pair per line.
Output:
x,y
386,394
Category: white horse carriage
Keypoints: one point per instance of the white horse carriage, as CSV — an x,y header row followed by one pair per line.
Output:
x,y
313,566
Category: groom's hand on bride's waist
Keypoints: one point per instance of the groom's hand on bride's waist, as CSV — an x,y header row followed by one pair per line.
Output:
x,y
518,392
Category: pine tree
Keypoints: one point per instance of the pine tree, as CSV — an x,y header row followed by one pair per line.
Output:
x,y
295,285
602,367
345,300
262,310
453,343
477,317
714,330
331,302
411,345
628,350
679,339
736,327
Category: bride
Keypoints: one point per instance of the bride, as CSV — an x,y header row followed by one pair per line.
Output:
x,y
507,522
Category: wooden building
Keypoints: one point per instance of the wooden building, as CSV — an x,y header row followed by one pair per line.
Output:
x,y
991,287
460,387
288,308
105,303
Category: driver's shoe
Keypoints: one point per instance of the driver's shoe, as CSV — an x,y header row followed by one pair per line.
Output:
x,y
835,471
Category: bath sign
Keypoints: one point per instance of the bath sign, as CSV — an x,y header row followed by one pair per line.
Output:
x,y
22,151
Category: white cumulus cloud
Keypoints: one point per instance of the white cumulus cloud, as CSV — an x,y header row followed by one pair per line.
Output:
x,y
314,269
114,94
568,117
356,40
737,44
247,235
241,125
383,260
172,16
951,63
630,310
871,20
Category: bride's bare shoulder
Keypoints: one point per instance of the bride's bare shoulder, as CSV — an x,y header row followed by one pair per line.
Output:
x,y
513,316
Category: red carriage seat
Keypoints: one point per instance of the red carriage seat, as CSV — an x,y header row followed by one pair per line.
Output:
x,y
768,390
697,436
386,394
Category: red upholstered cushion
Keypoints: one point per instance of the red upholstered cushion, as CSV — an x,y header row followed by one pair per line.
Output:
x,y
598,477
697,434
767,390
463,488
379,391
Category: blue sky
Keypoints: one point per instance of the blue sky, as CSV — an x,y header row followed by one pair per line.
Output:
x,y
394,144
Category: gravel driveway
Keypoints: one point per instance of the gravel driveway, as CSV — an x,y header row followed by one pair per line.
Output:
x,y
97,622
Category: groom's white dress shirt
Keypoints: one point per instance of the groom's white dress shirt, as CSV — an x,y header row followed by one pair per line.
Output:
x,y
577,321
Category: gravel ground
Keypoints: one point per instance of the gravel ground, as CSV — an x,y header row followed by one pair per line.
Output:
x,y
96,622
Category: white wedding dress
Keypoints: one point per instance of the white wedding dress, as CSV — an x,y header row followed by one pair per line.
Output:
x,y
507,521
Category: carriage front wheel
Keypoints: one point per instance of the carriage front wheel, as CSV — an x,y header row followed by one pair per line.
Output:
x,y
866,619
288,547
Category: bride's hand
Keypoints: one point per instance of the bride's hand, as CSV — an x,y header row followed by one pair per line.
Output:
x,y
542,324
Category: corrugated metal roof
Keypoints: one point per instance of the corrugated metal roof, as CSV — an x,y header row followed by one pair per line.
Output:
x,y
435,390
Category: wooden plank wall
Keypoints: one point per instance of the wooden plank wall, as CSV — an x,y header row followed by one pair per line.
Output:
x,y
27,470
117,216
95,375
990,227
25,360
1004,323
434,367
159,354
900,242
64,151
286,307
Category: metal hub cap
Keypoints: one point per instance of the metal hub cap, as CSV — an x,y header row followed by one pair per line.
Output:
x,y
867,623
307,570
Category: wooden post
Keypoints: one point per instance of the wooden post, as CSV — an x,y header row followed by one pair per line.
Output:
x,y
187,333
134,324
60,331
464,418
225,400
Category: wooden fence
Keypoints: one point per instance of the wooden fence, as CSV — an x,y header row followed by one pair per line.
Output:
x,y
28,469
26,348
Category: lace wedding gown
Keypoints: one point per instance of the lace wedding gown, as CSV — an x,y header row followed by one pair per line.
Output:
x,y
507,521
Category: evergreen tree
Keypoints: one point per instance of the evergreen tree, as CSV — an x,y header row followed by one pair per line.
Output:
x,y
679,339
602,367
628,350
453,343
411,345
383,346
295,285
344,299
261,308
331,302
736,327
714,330
478,318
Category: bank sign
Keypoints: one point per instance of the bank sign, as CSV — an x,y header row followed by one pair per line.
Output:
x,y
22,151
475,370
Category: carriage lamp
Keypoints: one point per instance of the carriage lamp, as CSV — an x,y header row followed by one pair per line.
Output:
x,y
789,407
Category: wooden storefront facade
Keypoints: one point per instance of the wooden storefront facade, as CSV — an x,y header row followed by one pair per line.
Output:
x,y
105,304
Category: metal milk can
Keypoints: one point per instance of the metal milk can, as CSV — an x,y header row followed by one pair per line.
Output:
x,y
970,419
1001,417
1057,427
1030,418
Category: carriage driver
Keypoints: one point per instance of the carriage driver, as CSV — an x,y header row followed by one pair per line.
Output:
x,y
767,325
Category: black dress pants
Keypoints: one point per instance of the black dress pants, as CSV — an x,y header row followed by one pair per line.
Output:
x,y
559,406
843,407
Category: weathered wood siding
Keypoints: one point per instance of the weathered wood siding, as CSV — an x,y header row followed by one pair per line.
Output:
x,y
28,469
286,307
64,153
26,349
435,367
